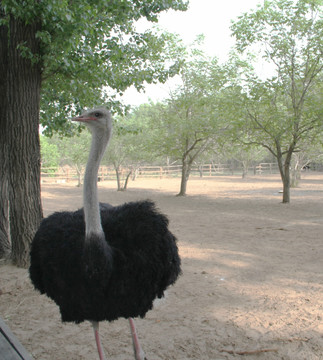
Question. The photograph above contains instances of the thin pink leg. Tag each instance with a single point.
(139, 353)
(95, 325)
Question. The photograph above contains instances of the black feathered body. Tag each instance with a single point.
(105, 279)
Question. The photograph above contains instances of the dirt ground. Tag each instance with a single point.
(252, 283)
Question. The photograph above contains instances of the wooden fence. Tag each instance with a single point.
(68, 174)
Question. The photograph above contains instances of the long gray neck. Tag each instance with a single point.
(90, 191)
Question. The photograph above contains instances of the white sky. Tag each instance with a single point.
(209, 17)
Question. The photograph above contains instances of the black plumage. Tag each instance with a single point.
(122, 279)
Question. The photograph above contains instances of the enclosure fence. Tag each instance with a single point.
(68, 174)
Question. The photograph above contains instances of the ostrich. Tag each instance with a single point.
(103, 262)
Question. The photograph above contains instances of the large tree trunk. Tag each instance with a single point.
(4, 191)
(23, 91)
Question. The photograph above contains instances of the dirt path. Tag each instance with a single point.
(252, 280)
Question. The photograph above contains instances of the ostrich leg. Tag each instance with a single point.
(139, 353)
(95, 325)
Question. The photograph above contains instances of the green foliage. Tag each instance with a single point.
(128, 146)
(49, 154)
(73, 151)
(90, 51)
(283, 111)
(285, 107)
(189, 122)
(288, 35)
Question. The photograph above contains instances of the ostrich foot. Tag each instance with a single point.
(95, 325)
(139, 353)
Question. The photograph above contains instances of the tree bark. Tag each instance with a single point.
(23, 91)
(127, 180)
(286, 187)
(118, 176)
(187, 161)
(286, 179)
(245, 167)
(79, 176)
(284, 169)
(186, 169)
(117, 170)
(5, 244)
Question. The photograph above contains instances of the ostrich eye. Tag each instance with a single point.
(97, 114)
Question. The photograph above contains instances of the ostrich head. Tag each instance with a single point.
(97, 120)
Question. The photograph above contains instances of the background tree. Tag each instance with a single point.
(187, 123)
(62, 56)
(245, 155)
(188, 132)
(282, 111)
(127, 148)
(73, 151)
(50, 157)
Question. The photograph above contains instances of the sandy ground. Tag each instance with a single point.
(252, 283)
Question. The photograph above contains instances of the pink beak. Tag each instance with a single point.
(85, 119)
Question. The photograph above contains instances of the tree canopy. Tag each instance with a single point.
(89, 51)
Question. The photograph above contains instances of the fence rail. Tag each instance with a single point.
(67, 174)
